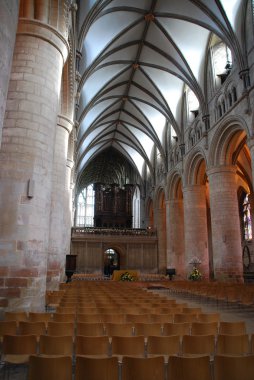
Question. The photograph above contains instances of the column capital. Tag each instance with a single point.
(45, 32)
(221, 169)
(64, 122)
(195, 187)
(69, 163)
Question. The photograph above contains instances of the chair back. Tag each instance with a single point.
(56, 345)
(96, 368)
(143, 368)
(50, 367)
(190, 368)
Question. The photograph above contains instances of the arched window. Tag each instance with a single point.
(85, 208)
(222, 61)
(234, 94)
(136, 208)
(192, 105)
(247, 219)
(230, 99)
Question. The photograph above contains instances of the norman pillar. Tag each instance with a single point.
(59, 246)
(8, 25)
(175, 236)
(26, 160)
(226, 236)
(161, 234)
(195, 228)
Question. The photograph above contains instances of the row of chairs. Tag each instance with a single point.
(229, 294)
(17, 348)
(122, 329)
(187, 368)
(111, 317)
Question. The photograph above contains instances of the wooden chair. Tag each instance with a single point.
(40, 317)
(56, 345)
(89, 318)
(92, 345)
(208, 317)
(16, 350)
(190, 368)
(183, 317)
(232, 344)
(128, 345)
(161, 318)
(87, 310)
(204, 328)
(163, 345)
(65, 310)
(119, 329)
(176, 328)
(15, 316)
(192, 310)
(61, 317)
(233, 367)
(32, 328)
(60, 328)
(90, 329)
(52, 301)
(113, 318)
(232, 328)
(135, 318)
(146, 329)
(96, 368)
(198, 344)
(143, 368)
(252, 343)
(50, 367)
(7, 328)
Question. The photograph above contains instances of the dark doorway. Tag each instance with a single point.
(111, 261)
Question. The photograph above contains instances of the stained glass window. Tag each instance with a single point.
(247, 219)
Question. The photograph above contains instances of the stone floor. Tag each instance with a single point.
(227, 312)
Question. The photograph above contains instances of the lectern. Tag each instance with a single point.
(70, 266)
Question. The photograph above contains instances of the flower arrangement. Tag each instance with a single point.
(195, 275)
(126, 277)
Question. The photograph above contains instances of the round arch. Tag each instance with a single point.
(195, 168)
(225, 141)
(111, 259)
(174, 186)
(159, 198)
(150, 213)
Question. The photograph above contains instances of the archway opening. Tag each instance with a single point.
(111, 261)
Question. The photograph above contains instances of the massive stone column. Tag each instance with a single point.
(195, 228)
(160, 215)
(59, 237)
(26, 158)
(226, 237)
(9, 10)
(175, 236)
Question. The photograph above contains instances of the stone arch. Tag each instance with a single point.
(195, 168)
(225, 141)
(149, 211)
(158, 197)
(160, 223)
(118, 249)
(175, 224)
(174, 187)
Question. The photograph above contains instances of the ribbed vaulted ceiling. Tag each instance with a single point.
(137, 57)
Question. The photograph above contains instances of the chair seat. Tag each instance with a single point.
(16, 359)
